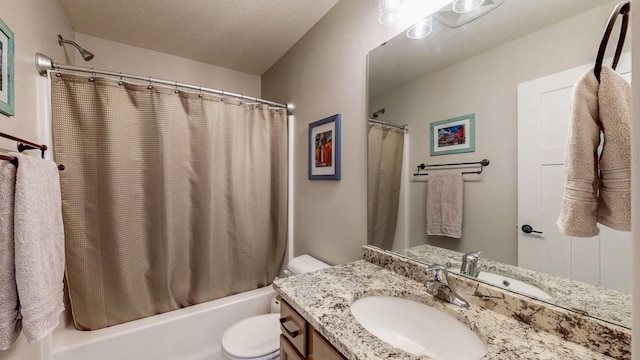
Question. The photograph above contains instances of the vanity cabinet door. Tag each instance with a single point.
(287, 352)
(321, 349)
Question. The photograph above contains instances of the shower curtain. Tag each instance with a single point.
(169, 198)
(384, 167)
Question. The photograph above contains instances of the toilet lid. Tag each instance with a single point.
(253, 337)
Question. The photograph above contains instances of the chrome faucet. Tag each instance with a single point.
(470, 264)
(439, 287)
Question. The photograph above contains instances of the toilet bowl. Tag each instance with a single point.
(254, 338)
(258, 337)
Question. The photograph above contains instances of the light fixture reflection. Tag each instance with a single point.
(388, 11)
(421, 29)
(465, 6)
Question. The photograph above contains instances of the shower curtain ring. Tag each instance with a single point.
(176, 90)
(120, 82)
(149, 86)
(92, 78)
(200, 89)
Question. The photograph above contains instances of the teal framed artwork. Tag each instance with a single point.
(6, 70)
(453, 136)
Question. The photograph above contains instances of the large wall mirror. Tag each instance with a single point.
(512, 69)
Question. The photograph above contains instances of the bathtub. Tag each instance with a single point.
(192, 333)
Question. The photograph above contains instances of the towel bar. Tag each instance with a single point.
(482, 163)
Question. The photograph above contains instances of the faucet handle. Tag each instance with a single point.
(470, 265)
(473, 254)
(436, 267)
(440, 273)
(446, 293)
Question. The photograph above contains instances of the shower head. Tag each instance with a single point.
(86, 55)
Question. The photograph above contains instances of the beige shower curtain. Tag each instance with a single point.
(169, 199)
(384, 174)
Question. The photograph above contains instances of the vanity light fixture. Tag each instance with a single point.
(389, 11)
(465, 6)
(421, 29)
(454, 19)
(407, 11)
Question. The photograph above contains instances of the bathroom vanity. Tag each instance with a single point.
(510, 325)
(299, 340)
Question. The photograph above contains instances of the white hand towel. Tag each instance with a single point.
(579, 203)
(444, 203)
(614, 198)
(39, 245)
(9, 317)
(598, 189)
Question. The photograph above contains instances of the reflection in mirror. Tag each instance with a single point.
(386, 144)
(513, 68)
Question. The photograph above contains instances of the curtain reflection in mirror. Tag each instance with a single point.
(385, 158)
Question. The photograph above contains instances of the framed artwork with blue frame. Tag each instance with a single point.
(324, 149)
(6, 70)
(453, 136)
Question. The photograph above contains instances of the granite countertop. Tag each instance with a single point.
(323, 299)
(602, 303)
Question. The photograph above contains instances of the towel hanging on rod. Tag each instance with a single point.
(482, 163)
(623, 8)
(11, 159)
(22, 146)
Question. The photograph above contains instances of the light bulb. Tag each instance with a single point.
(421, 29)
(388, 11)
(465, 6)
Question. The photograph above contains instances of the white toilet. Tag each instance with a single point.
(258, 337)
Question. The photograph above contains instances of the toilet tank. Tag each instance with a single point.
(305, 263)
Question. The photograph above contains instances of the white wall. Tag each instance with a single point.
(486, 85)
(325, 74)
(36, 25)
(118, 57)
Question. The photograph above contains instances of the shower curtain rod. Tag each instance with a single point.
(45, 63)
(403, 127)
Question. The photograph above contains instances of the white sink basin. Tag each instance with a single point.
(509, 283)
(417, 328)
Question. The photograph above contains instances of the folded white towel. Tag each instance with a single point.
(39, 245)
(9, 316)
(598, 190)
(444, 203)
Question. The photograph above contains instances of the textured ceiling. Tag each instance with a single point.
(243, 35)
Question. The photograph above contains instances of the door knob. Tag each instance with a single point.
(527, 229)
